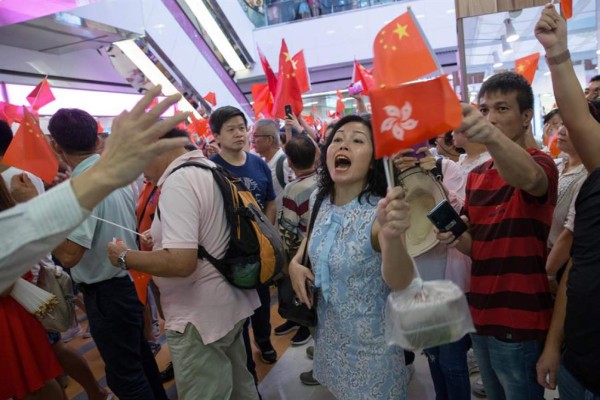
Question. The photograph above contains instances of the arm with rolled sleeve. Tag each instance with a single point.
(30, 230)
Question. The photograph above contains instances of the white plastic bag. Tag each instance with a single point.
(427, 314)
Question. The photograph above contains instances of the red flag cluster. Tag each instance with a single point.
(284, 89)
(405, 114)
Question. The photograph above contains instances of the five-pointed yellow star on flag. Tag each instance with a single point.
(521, 68)
(294, 63)
(288, 57)
(401, 30)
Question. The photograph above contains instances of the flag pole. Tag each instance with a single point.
(412, 16)
(388, 167)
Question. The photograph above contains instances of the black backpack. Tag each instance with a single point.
(255, 252)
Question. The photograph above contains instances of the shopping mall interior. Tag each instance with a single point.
(102, 55)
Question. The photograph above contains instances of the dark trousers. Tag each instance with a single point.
(261, 319)
(117, 325)
(449, 370)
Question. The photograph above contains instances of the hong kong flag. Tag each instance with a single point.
(413, 113)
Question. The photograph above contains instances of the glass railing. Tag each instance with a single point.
(272, 12)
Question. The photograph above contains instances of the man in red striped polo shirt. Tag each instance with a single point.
(509, 203)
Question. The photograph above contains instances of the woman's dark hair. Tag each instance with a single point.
(376, 183)
(550, 114)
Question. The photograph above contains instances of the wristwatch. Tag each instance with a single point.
(121, 263)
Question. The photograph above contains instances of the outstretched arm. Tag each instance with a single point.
(584, 131)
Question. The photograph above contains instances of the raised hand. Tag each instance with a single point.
(551, 31)
(134, 138)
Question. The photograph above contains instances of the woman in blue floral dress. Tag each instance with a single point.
(358, 255)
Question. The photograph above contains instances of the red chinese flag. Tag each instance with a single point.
(362, 75)
(527, 66)
(100, 127)
(288, 91)
(198, 125)
(270, 75)
(263, 100)
(302, 76)
(403, 117)
(30, 151)
(401, 53)
(211, 97)
(339, 105)
(40, 95)
(566, 6)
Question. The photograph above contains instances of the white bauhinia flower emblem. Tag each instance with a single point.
(399, 120)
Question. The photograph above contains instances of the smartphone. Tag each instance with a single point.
(446, 219)
(288, 110)
(355, 88)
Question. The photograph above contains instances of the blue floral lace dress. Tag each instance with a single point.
(351, 357)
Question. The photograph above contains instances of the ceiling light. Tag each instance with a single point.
(547, 73)
(330, 32)
(358, 27)
(154, 75)
(497, 61)
(215, 33)
(511, 33)
(597, 51)
(506, 47)
(420, 16)
(450, 11)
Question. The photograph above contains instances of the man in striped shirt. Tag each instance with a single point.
(509, 203)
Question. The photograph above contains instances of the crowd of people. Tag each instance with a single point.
(528, 261)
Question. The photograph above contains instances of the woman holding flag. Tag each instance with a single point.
(358, 256)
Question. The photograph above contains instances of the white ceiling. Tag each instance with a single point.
(483, 33)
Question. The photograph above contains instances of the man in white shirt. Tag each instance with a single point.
(266, 143)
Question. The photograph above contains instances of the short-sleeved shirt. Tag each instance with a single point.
(293, 221)
(94, 235)
(256, 175)
(288, 176)
(582, 322)
(191, 212)
(509, 296)
(568, 187)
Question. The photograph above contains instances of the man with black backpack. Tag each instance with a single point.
(204, 313)
(230, 128)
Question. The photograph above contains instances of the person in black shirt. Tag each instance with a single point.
(576, 322)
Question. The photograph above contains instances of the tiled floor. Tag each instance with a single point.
(279, 381)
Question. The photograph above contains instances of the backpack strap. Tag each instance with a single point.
(202, 253)
(279, 171)
(311, 224)
(437, 171)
